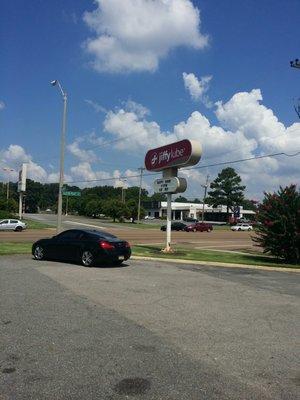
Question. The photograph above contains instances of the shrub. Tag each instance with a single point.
(278, 228)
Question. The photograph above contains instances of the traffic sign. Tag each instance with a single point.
(71, 194)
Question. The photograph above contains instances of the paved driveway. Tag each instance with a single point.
(150, 330)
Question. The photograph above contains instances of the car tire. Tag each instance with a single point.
(39, 253)
(18, 229)
(239, 229)
(195, 230)
(249, 229)
(87, 258)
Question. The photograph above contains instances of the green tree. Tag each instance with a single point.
(278, 228)
(114, 209)
(158, 197)
(249, 204)
(132, 210)
(9, 205)
(226, 190)
(181, 199)
(93, 208)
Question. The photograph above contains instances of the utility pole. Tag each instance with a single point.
(141, 169)
(8, 170)
(205, 191)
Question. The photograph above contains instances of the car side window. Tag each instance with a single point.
(5, 221)
(68, 235)
(13, 221)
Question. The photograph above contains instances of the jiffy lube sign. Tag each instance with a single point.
(179, 154)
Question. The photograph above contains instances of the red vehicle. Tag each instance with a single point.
(199, 226)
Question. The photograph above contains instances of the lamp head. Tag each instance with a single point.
(53, 83)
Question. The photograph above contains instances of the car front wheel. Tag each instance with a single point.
(38, 253)
(18, 229)
(87, 258)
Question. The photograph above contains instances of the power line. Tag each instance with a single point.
(192, 168)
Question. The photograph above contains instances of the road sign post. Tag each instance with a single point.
(169, 159)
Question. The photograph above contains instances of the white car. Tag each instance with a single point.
(12, 225)
(242, 227)
(149, 217)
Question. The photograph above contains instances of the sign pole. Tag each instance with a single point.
(169, 218)
(67, 203)
(20, 204)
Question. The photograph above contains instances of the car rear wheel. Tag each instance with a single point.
(239, 229)
(87, 258)
(38, 253)
(18, 229)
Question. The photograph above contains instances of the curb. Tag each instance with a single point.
(217, 264)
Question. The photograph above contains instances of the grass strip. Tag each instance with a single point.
(32, 224)
(209, 255)
(7, 248)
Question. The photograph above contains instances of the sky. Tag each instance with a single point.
(143, 73)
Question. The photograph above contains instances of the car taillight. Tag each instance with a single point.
(106, 245)
(127, 245)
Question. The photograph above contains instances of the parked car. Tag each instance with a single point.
(175, 226)
(89, 247)
(149, 217)
(241, 227)
(190, 219)
(200, 227)
(12, 225)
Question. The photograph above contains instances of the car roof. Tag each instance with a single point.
(93, 232)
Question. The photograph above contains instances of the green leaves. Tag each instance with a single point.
(227, 189)
(278, 231)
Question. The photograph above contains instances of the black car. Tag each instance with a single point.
(175, 226)
(89, 247)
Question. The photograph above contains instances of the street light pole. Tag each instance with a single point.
(140, 192)
(296, 64)
(205, 190)
(62, 155)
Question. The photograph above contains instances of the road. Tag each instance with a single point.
(147, 330)
(218, 239)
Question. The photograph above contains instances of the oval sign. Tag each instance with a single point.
(179, 154)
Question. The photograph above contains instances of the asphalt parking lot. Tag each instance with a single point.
(147, 330)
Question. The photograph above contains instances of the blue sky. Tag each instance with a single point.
(134, 81)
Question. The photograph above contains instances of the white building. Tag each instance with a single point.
(180, 211)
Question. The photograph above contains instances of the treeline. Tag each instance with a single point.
(92, 201)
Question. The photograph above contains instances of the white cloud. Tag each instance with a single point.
(140, 110)
(2, 105)
(134, 35)
(136, 133)
(97, 107)
(81, 154)
(198, 87)
(248, 128)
